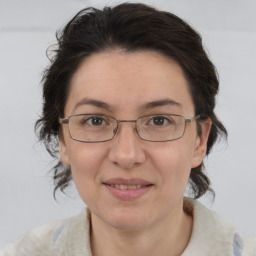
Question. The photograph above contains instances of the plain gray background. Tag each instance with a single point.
(28, 27)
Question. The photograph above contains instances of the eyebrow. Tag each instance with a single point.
(93, 102)
(146, 106)
(160, 103)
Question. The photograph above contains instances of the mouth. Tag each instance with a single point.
(127, 189)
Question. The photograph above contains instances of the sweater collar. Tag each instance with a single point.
(210, 235)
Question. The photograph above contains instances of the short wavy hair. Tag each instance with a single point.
(130, 27)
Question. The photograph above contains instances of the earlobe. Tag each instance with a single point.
(63, 152)
(201, 143)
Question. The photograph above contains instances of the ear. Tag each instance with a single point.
(201, 143)
(63, 152)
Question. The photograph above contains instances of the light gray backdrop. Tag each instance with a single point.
(27, 28)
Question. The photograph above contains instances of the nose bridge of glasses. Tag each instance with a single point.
(124, 121)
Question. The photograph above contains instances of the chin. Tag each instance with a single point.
(128, 225)
(127, 219)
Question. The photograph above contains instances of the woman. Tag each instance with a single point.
(129, 102)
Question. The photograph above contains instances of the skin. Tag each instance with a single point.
(154, 223)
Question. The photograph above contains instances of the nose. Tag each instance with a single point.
(127, 150)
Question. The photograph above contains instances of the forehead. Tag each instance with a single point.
(124, 79)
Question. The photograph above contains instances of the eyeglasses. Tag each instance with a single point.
(93, 128)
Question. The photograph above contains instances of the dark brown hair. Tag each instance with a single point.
(130, 27)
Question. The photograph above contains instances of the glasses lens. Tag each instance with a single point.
(161, 127)
(91, 128)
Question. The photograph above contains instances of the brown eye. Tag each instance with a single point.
(96, 121)
(160, 120)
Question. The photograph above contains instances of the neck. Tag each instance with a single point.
(169, 236)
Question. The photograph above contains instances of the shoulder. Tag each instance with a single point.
(212, 235)
(49, 239)
(249, 245)
(36, 240)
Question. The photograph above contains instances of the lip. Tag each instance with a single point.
(127, 194)
(128, 182)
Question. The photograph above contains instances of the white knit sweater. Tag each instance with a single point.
(211, 236)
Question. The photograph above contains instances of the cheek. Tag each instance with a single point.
(173, 163)
(85, 161)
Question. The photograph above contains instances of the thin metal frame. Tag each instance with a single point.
(66, 121)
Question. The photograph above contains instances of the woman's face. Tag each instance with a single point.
(127, 86)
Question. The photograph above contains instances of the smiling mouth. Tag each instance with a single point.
(127, 187)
